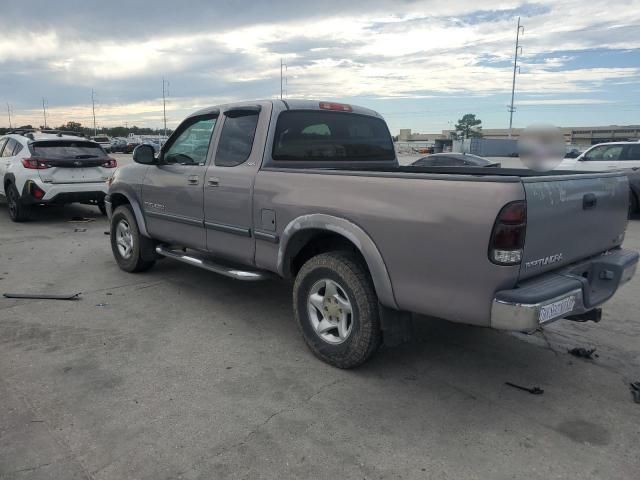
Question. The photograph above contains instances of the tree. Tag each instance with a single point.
(468, 127)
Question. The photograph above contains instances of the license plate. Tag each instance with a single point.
(557, 309)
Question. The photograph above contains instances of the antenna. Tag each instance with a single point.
(511, 108)
(9, 113)
(44, 112)
(93, 108)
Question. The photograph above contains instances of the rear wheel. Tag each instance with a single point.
(18, 212)
(337, 309)
(633, 203)
(133, 252)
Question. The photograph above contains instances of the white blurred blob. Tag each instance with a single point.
(541, 147)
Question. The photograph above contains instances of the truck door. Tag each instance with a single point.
(228, 183)
(172, 192)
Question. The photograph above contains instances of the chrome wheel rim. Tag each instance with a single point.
(330, 311)
(124, 239)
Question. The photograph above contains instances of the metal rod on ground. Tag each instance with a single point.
(515, 67)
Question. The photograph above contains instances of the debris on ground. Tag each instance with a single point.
(107, 233)
(44, 296)
(582, 352)
(80, 220)
(635, 391)
(79, 230)
(532, 390)
(102, 304)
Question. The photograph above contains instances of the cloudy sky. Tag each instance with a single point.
(422, 64)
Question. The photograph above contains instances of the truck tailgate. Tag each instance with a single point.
(571, 217)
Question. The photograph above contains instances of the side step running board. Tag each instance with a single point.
(232, 272)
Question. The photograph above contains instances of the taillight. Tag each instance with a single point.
(339, 107)
(507, 237)
(36, 191)
(110, 163)
(34, 163)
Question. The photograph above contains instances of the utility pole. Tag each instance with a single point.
(283, 79)
(515, 67)
(164, 107)
(44, 112)
(93, 108)
(9, 113)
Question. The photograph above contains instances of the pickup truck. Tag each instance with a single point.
(313, 191)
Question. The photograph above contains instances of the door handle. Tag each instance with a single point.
(213, 182)
(192, 180)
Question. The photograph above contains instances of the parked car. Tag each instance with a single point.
(610, 156)
(118, 144)
(130, 146)
(606, 156)
(313, 191)
(104, 142)
(42, 168)
(454, 160)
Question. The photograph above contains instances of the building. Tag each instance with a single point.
(582, 137)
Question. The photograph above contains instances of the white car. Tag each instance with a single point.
(104, 142)
(606, 156)
(39, 168)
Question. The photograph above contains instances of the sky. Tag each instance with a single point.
(421, 64)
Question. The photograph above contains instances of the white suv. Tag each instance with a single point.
(51, 168)
(105, 142)
(606, 156)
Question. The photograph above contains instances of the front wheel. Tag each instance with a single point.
(131, 250)
(337, 309)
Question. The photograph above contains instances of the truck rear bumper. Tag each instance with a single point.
(569, 291)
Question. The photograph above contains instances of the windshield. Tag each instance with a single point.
(67, 149)
(311, 135)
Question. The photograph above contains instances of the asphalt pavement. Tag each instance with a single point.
(178, 373)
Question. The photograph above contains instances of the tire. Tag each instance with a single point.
(360, 335)
(102, 208)
(18, 212)
(633, 203)
(125, 233)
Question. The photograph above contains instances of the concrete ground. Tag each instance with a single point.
(181, 374)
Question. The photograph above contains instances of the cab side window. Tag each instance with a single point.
(192, 145)
(236, 140)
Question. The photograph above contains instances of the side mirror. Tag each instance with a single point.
(144, 154)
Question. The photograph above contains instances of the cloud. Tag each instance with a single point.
(380, 49)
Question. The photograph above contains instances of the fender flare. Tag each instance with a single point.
(135, 206)
(8, 178)
(353, 233)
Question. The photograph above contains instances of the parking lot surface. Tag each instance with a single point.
(177, 373)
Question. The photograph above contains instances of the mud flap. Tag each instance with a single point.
(397, 326)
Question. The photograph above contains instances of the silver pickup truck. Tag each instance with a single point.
(313, 191)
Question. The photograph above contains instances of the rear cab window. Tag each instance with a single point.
(325, 136)
(61, 149)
